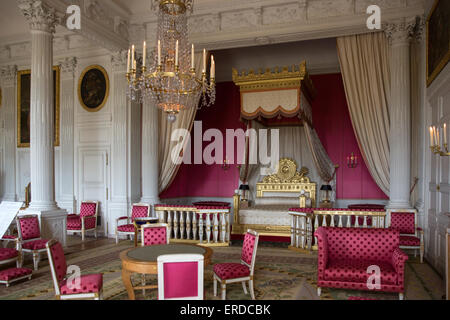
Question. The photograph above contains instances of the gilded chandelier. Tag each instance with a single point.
(170, 80)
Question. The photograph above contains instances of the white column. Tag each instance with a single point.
(150, 136)
(399, 34)
(42, 20)
(8, 138)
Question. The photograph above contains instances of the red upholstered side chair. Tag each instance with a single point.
(411, 237)
(139, 211)
(85, 221)
(89, 287)
(239, 272)
(9, 255)
(30, 240)
(152, 234)
(180, 277)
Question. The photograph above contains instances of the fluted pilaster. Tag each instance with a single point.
(8, 81)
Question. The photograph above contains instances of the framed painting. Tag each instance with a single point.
(24, 105)
(93, 88)
(438, 39)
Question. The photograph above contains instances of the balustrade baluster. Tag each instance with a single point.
(200, 227)
(182, 225)
(208, 227)
(216, 227)
(365, 222)
(340, 221)
(195, 225)
(188, 225)
(169, 223)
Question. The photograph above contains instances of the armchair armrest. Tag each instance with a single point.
(72, 215)
(122, 218)
(398, 262)
(322, 255)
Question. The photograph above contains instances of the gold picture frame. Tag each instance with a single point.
(24, 106)
(438, 39)
(93, 88)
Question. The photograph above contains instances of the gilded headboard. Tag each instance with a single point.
(288, 179)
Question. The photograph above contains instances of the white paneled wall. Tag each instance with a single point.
(438, 174)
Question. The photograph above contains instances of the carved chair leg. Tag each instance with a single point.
(224, 291)
(244, 287)
(421, 253)
(36, 259)
(215, 286)
(82, 235)
(401, 296)
(252, 291)
(117, 238)
(319, 291)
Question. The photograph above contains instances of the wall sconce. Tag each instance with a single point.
(226, 164)
(352, 161)
(435, 141)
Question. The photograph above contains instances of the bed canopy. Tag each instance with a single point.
(282, 98)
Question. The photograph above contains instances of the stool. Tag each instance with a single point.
(11, 275)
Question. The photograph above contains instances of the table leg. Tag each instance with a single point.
(126, 278)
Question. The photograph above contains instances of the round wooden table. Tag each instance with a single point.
(143, 260)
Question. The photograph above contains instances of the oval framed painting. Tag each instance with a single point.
(93, 88)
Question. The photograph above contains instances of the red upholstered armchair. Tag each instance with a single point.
(30, 240)
(345, 255)
(89, 286)
(411, 237)
(239, 272)
(85, 221)
(139, 211)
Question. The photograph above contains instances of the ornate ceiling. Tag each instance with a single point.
(215, 24)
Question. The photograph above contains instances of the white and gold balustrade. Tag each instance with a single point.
(304, 221)
(205, 225)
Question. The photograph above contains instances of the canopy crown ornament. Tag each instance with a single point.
(171, 79)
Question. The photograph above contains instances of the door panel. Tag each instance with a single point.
(93, 180)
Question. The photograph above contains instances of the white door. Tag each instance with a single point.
(94, 181)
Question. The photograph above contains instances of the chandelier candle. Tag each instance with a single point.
(170, 79)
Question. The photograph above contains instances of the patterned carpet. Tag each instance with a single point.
(280, 274)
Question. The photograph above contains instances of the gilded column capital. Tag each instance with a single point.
(400, 32)
(40, 16)
(8, 75)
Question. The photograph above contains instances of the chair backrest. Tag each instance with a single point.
(180, 277)
(28, 227)
(248, 255)
(154, 233)
(360, 243)
(404, 222)
(140, 210)
(57, 261)
(88, 208)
